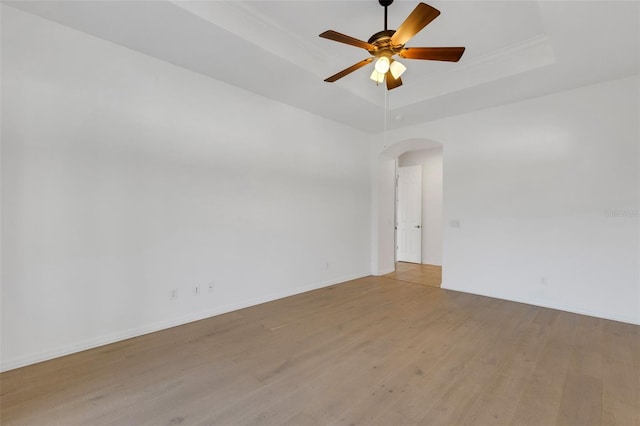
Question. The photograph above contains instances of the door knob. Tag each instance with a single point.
(418, 226)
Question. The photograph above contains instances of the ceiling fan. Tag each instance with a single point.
(385, 44)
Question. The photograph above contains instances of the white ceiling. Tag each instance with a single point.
(515, 49)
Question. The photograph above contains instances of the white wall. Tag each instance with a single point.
(124, 177)
(384, 205)
(431, 162)
(547, 192)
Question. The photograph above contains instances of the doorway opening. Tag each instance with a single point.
(418, 217)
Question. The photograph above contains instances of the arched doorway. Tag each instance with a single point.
(384, 232)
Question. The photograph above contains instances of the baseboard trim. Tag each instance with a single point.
(92, 343)
(545, 304)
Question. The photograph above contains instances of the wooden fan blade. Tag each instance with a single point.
(451, 54)
(336, 36)
(349, 70)
(421, 16)
(392, 83)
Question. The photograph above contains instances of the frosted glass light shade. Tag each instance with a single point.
(382, 65)
(377, 77)
(397, 69)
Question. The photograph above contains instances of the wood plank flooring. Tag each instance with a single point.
(373, 351)
(417, 273)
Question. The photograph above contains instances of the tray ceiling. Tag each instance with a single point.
(515, 49)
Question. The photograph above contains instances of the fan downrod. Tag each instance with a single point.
(385, 4)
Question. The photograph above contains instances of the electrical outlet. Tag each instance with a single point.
(196, 290)
(211, 287)
(173, 294)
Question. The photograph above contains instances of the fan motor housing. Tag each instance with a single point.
(382, 41)
(381, 37)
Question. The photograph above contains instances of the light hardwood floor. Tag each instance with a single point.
(417, 273)
(374, 351)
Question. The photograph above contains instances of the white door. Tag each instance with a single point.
(409, 214)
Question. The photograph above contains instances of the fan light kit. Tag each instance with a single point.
(382, 65)
(383, 45)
